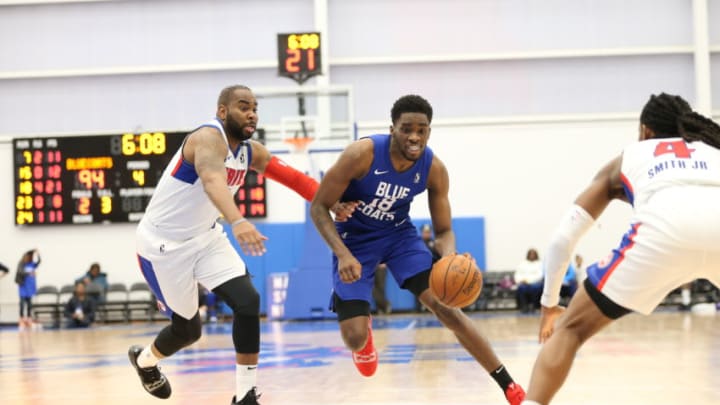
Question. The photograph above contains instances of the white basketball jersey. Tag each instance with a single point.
(656, 164)
(179, 208)
(675, 190)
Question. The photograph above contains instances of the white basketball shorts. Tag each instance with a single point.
(173, 268)
(674, 240)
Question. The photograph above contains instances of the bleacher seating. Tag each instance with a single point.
(46, 308)
(66, 292)
(701, 291)
(120, 304)
(115, 305)
(138, 303)
(141, 300)
(95, 291)
(496, 296)
(496, 293)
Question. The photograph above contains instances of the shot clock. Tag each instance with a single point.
(299, 55)
(101, 178)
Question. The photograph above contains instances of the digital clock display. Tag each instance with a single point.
(101, 178)
(299, 55)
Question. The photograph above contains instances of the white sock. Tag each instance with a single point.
(685, 296)
(147, 358)
(526, 402)
(245, 379)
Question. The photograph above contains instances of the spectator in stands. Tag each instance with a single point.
(80, 308)
(579, 269)
(569, 284)
(96, 284)
(378, 292)
(26, 279)
(529, 280)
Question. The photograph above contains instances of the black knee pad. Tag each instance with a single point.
(346, 309)
(246, 334)
(240, 295)
(418, 283)
(180, 333)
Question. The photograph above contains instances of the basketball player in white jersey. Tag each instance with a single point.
(180, 244)
(672, 179)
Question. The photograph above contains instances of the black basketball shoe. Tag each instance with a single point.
(151, 378)
(249, 399)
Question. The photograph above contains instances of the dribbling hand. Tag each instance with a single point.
(344, 210)
(349, 269)
(469, 256)
(251, 241)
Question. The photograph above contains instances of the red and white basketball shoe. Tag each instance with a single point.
(366, 360)
(515, 394)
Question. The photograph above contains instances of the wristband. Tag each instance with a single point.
(237, 222)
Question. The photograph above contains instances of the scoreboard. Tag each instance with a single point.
(102, 178)
(299, 55)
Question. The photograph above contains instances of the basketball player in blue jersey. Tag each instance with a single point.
(672, 179)
(384, 173)
(180, 244)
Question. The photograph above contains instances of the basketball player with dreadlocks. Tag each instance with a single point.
(672, 179)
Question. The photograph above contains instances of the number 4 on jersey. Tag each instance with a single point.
(679, 148)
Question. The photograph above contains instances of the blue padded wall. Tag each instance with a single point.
(297, 249)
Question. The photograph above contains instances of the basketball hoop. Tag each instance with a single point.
(299, 144)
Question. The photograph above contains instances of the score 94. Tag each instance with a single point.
(91, 178)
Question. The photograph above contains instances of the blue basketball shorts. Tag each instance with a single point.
(402, 250)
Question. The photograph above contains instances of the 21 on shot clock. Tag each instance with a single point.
(299, 55)
(100, 178)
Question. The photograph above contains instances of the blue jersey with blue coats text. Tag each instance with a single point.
(384, 193)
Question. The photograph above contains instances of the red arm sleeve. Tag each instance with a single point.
(291, 178)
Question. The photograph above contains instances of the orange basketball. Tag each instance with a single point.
(456, 281)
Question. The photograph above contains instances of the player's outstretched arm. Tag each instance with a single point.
(438, 186)
(206, 150)
(588, 206)
(278, 170)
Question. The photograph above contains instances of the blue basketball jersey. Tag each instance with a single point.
(380, 230)
(384, 193)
